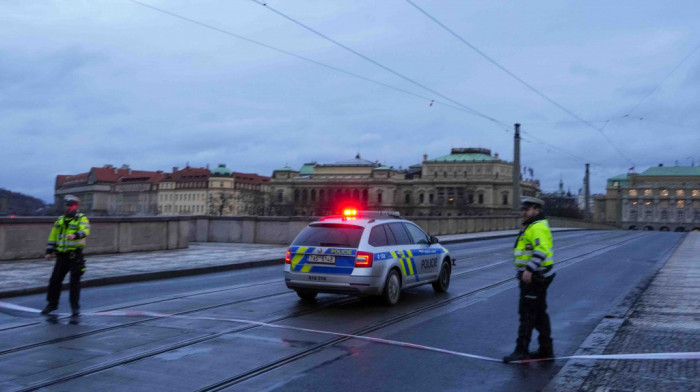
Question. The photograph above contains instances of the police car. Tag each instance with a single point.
(365, 253)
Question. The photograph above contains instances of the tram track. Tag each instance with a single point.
(320, 346)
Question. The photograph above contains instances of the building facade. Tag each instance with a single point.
(660, 198)
(468, 181)
(190, 191)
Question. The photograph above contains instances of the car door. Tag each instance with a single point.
(426, 259)
(402, 253)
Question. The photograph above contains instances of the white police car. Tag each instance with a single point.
(365, 253)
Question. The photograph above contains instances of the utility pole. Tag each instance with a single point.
(516, 168)
(587, 212)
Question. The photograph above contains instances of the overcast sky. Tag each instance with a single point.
(94, 82)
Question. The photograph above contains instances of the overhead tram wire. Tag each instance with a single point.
(514, 76)
(504, 126)
(662, 80)
(252, 41)
(384, 67)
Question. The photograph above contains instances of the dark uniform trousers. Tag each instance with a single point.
(533, 311)
(66, 261)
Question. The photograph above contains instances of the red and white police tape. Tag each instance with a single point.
(18, 310)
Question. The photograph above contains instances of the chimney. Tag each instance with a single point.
(495, 156)
(174, 169)
(661, 164)
(425, 157)
(125, 167)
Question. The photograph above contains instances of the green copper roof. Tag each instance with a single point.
(307, 169)
(221, 171)
(286, 168)
(466, 155)
(671, 171)
(622, 179)
(382, 168)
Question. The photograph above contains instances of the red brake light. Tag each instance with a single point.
(363, 260)
(288, 257)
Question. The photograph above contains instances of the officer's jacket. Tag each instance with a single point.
(64, 226)
(533, 249)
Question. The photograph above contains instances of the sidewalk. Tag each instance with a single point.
(665, 317)
(24, 277)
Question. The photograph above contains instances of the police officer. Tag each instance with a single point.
(533, 259)
(67, 240)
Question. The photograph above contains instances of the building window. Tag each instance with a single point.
(680, 204)
(664, 192)
(505, 199)
(430, 198)
(633, 192)
(481, 198)
(679, 192)
(407, 198)
(696, 192)
(647, 214)
(296, 195)
(313, 195)
(421, 198)
(364, 195)
(664, 215)
(681, 216)
(280, 195)
(647, 192)
(470, 198)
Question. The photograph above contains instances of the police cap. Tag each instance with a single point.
(528, 201)
(70, 200)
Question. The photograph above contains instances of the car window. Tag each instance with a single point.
(400, 233)
(338, 235)
(377, 237)
(391, 240)
(419, 237)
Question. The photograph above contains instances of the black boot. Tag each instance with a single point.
(48, 309)
(518, 354)
(75, 310)
(545, 351)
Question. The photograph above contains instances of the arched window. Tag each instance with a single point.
(356, 195)
(364, 195)
(313, 195)
(304, 195)
(379, 197)
(321, 195)
(280, 196)
(296, 195)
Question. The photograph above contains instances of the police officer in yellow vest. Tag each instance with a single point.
(533, 259)
(67, 240)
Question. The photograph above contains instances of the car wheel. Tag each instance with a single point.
(392, 289)
(306, 295)
(443, 281)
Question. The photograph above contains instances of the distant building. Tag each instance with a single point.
(190, 191)
(660, 198)
(561, 203)
(468, 181)
(110, 191)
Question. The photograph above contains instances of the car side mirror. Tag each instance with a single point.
(434, 240)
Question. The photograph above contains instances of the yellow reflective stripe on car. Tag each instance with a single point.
(403, 267)
(306, 268)
(410, 267)
(300, 255)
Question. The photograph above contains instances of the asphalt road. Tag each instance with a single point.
(478, 315)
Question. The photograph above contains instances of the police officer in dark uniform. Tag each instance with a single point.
(533, 256)
(67, 240)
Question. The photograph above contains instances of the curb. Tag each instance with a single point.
(146, 276)
(574, 373)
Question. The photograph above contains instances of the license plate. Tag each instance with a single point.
(322, 259)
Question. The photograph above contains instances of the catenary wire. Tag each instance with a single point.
(689, 55)
(378, 64)
(526, 84)
(349, 73)
(307, 59)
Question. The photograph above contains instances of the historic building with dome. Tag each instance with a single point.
(467, 181)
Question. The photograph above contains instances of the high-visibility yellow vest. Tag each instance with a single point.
(63, 227)
(533, 250)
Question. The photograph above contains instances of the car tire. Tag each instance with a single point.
(306, 295)
(392, 289)
(443, 280)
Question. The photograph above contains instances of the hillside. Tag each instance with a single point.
(13, 203)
